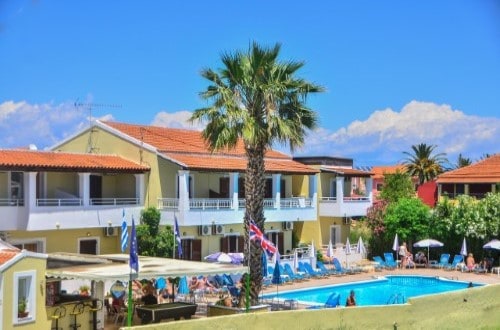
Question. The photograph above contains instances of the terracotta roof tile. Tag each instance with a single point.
(379, 171)
(484, 171)
(6, 255)
(189, 148)
(47, 160)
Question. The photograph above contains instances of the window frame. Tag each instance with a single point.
(30, 276)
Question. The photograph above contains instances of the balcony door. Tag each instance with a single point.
(191, 249)
(335, 235)
(95, 187)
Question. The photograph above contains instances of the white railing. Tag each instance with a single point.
(212, 203)
(11, 202)
(209, 203)
(346, 199)
(114, 201)
(269, 203)
(59, 202)
(168, 203)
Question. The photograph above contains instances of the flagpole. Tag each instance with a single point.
(175, 239)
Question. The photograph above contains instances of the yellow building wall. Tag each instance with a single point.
(66, 182)
(4, 185)
(66, 240)
(106, 143)
(25, 264)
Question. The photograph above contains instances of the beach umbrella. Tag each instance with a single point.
(347, 251)
(295, 260)
(463, 250)
(360, 248)
(329, 250)
(395, 245)
(312, 255)
(277, 274)
(428, 243)
(493, 245)
(226, 258)
(183, 286)
(264, 264)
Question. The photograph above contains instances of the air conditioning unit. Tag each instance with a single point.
(204, 230)
(347, 220)
(287, 225)
(110, 231)
(219, 230)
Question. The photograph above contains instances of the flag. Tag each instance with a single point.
(256, 234)
(177, 237)
(124, 232)
(134, 257)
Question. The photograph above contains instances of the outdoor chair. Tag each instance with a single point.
(389, 260)
(443, 261)
(457, 259)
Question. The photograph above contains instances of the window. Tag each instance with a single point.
(24, 297)
(33, 245)
(380, 186)
(16, 187)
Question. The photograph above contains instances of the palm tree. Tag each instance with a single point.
(462, 161)
(257, 99)
(422, 163)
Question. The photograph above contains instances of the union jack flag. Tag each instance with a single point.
(256, 234)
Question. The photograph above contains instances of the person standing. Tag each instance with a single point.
(402, 254)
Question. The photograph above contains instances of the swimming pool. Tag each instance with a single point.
(392, 289)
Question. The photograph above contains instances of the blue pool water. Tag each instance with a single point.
(385, 290)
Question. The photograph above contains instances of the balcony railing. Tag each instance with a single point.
(11, 202)
(114, 201)
(215, 204)
(59, 202)
(346, 199)
(93, 201)
(209, 203)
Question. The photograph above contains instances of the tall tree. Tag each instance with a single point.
(258, 99)
(462, 161)
(396, 186)
(422, 163)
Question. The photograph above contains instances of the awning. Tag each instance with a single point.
(149, 267)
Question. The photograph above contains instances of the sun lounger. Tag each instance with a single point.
(389, 261)
(454, 264)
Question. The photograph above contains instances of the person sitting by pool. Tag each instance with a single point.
(167, 293)
(149, 297)
(470, 263)
(409, 260)
(420, 258)
(351, 300)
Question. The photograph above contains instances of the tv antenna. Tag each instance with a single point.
(89, 106)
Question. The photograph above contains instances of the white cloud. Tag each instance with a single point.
(380, 139)
(384, 136)
(43, 125)
(179, 119)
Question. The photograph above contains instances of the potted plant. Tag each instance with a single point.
(84, 290)
(21, 308)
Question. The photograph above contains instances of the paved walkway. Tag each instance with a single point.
(453, 275)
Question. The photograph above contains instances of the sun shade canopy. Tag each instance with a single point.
(149, 267)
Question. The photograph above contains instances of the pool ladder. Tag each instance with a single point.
(396, 298)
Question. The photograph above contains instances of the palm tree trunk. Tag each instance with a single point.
(254, 198)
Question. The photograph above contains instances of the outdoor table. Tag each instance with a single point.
(158, 312)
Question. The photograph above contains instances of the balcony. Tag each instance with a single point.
(227, 211)
(347, 206)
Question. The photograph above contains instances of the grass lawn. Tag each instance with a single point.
(475, 308)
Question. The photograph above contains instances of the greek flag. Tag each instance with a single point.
(124, 233)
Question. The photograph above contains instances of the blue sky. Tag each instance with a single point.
(397, 73)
